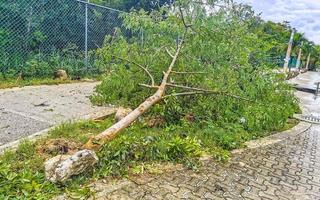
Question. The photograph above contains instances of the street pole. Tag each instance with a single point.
(308, 61)
(86, 36)
(287, 59)
(299, 57)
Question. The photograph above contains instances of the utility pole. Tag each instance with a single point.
(299, 57)
(308, 61)
(287, 59)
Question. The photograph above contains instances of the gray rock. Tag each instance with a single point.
(61, 74)
(62, 167)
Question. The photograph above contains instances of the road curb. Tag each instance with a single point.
(301, 127)
(43, 133)
(13, 145)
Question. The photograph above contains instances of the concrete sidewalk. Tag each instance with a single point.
(306, 81)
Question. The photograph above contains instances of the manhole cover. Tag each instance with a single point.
(308, 118)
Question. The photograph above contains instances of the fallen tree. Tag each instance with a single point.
(187, 51)
(112, 132)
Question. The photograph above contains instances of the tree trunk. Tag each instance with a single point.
(287, 59)
(308, 61)
(299, 59)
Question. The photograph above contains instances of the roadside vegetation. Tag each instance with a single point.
(235, 97)
(140, 149)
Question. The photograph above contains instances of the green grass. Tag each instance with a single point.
(22, 172)
(134, 151)
(10, 83)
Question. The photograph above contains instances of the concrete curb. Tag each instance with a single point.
(41, 134)
(13, 145)
(275, 138)
(306, 118)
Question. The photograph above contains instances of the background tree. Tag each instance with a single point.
(127, 5)
(36, 34)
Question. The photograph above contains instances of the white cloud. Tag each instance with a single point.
(304, 15)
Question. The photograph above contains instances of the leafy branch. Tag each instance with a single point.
(139, 65)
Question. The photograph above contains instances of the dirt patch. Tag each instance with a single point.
(58, 146)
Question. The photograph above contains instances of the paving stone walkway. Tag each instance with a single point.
(286, 169)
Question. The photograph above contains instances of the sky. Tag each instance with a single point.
(304, 15)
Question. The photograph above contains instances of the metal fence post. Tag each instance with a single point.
(86, 37)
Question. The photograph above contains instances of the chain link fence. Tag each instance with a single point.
(38, 37)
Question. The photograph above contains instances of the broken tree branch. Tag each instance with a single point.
(139, 65)
(149, 86)
(168, 52)
(197, 91)
(206, 91)
(183, 19)
(157, 51)
(203, 93)
(175, 72)
(185, 94)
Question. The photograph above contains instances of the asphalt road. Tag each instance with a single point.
(28, 110)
